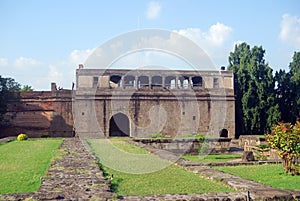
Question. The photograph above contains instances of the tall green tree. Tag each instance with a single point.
(256, 110)
(295, 79)
(288, 90)
(285, 95)
(7, 88)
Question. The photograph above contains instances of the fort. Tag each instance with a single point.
(134, 103)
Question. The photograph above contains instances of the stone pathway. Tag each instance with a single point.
(76, 176)
(7, 139)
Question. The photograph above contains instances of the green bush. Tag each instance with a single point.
(285, 138)
(260, 151)
(198, 136)
(22, 137)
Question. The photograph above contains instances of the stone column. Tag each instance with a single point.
(190, 82)
(150, 82)
(122, 84)
(176, 82)
(163, 81)
(136, 84)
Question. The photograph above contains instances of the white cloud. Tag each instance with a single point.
(25, 63)
(290, 30)
(3, 62)
(79, 56)
(55, 75)
(219, 33)
(216, 42)
(216, 36)
(153, 10)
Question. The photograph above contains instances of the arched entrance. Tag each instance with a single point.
(224, 133)
(119, 125)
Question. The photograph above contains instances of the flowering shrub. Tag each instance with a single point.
(285, 138)
(22, 137)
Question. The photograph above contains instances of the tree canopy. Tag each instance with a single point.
(288, 90)
(7, 88)
(256, 109)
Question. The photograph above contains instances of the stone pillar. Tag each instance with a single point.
(150, 82)
(163, 81)
(122, 84)
(190, 82)
(136, 84)
(53, 86)
(176, 82)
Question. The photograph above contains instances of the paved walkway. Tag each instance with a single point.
(76, 176)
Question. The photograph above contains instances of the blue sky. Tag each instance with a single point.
(44, 41)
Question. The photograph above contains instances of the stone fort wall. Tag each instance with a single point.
(40, 113)
(131, 103)
(165, 102)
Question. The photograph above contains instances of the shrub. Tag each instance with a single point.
(285, 138)
(198, 136)
(204, 149)
(22, 137)
(260, 151)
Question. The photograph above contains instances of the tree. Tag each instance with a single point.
(295, 80)
(285, 95)
(26, 88)
(288, 90)
(256, 110)
(7, 88)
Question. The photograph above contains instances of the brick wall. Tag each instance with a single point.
(38, 113)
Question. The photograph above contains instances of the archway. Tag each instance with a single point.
(119, 125)
(224, 133)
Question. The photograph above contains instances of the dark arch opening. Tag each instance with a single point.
(114, 81)
(143, 81)
(157, 81)
(224, 133)
(119, 125)
(197, 81)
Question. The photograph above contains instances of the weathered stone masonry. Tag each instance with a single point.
(137, 103)
(133, 103)
(39, 113)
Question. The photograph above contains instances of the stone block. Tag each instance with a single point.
(248, 156)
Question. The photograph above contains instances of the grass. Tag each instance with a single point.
(156, 176)
(269, 174)
(23, 164)
(125, 146)
(212, 158)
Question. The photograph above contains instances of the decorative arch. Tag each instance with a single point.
(119, 125)
(224, 133)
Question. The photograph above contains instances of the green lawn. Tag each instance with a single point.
(212, 158)
(24, 163)
(159, 176)
(269, 174)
